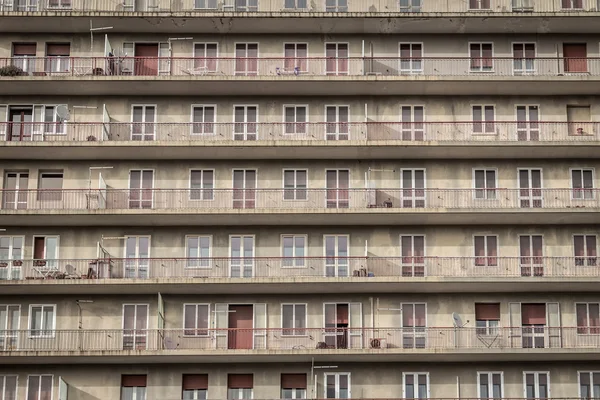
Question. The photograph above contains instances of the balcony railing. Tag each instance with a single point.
(472, 67)
(224, 200)
(409, 340)
(384, 6)
(303, 267)
(454, 132)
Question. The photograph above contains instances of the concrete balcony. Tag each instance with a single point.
(268, 140)
(432, 344)
(288, 16)
(306, 76)
(181, 207)
(276, 275)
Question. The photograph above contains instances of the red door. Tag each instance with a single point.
(146, 59)
(240, 327)
(575, 55)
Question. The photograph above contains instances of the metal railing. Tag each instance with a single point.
(213, 68)
(464, 132)
(224, 200)
(302, 6)
(303, 267)
(410, 340)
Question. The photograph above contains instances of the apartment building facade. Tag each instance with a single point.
(299, 200)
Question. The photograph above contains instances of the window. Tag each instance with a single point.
(201, 184)
(487, 318)
(39, 387)
(50, 186)
(528, 125)
(198, 251)
(336, 5)
(336, 55)
(336, 255)
(413, 255)
(135, 326)
(584, 247)
(588, 318)
(337, 122)
(240, 386)
(411, 61)
(415, 385)
(294, 184)
(537, 385)
(11, 249)
(205, 54)
(241, 251)
(295, 119)
(58, 57)
(412, 182)
(337, 184)
(203, 119)
(295, 4)
(245, 118)
(412, 122)
(337, 386)
(572, 4)
(143, 123)
(42, 320)
(9, 326)
(479, 4)
(296, 55)
(293, 320)
(293, 386)
(137, 254)
(531, 251)
(533, 321)
(486, 250)
(246, 58)
(244, 185)
(293, 250)
(45, 251)
(8, 387)
(195, 319)
(413, 325)
(485, 184)
(490, 385)
(530, 188)
(582, 181)
(133, 387)
(483, 119)
(52, 123)
(523, 58)
(24, 56)
(481, 57)
(411, 5)
(589, 385)
(194, 386)
(141, 188)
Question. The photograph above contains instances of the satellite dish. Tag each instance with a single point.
(63, 112)
(457, 320)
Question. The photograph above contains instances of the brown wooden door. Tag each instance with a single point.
(575, 55)
(240, 327)
(146, 59)
(20, 125)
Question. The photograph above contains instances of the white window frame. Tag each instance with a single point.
(593, 189)
(204, 123)
(415, 378)
(337, 122)
(295, 44)
(302, 259)
(572, 7)
(294, 394)
(413, 264)
(588, 327)
(137, 329)
(413, 197)
(295, 190)
(411, 70)
(205, 44)
(6, 333)
(483, 120)
(481, 70)
(530, 197)
(337, 58)
(242, 263)
(240, 393)
(203, 190)
(207, 329)
(528, 122)
(245, 132)
(411, 130)
(246, 71)
(137, 264)
(485, 189)
(295, 123)
(56, 121)
(536, 380)
(40, 386)
(3, 395)
(144, 107)
(336, 265)
(29, 322)
(525, 70)
(294, 305)
(485, 249)
(585, 257)
(490, 375)
(592, 395)
(187, 251)
(337, 384)
(480, 8)
(11, 268)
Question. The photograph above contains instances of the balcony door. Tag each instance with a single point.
(240, 326)
(528, 123)
(11, 257)
(338, 184)
(143, 123)
(414, 322)
(337, 386)
(135, 326)
(531, 249)
(413, 252)
(141, 185)
(245, 118)
(241, 251)
(137, 254)
(20, 124)
(530, 188)
(336, 255)
(536, 385)
(15, 192)
(535, 325)
(9, 326)
(413, 188)
(413, 128)
(45, 252)
(337, 123)
(246, 57)
(336, 55)
(343, 325)
(244, 188)
(575, 57)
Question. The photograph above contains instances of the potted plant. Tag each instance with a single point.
(11, 70)
(17, 263)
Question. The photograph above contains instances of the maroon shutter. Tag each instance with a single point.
(293, 381)
(133, 380)
(38, 248)
(487, 311)
(195, 382)
(58, 49)
(533, 314)
(24, 49)
(240, 381)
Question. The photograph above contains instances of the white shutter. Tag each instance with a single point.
(38, 126)
(221, 325)
(553, 323)
(260, 326)
(515, 333)
(105, 124)
(355, 325)
(164, 61)
(3, 121)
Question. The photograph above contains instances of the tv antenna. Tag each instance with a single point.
(62, 112)
(457, 321)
